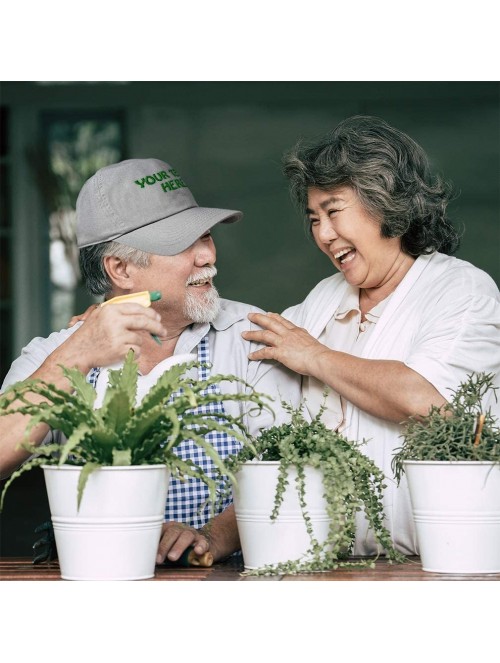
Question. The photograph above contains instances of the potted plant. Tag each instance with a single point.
(296, 496)
(107, 483)
(451, 460)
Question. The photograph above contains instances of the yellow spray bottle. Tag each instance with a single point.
(143, 298)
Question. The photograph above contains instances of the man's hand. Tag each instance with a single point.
(105, 338)
(219, 537)
(176, 538)
(108, 334)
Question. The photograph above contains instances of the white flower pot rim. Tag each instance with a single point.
(451, 462)
(111, 468)
(269, 462)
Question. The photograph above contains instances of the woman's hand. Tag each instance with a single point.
(82, 316)
(384, 388)
(292, 346)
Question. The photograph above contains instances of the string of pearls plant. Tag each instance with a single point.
(351, 481)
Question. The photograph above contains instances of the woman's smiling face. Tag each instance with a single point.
(350, 236)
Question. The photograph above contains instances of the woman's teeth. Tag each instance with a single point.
(349, 253)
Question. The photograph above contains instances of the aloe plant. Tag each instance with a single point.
(119, 433)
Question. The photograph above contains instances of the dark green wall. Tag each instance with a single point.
(227, 139)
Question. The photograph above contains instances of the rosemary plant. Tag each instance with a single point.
(119, 433)
(459, 430)
(351, 482)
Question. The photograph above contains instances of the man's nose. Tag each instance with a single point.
(205, 252)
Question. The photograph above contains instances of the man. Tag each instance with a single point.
(139, 228)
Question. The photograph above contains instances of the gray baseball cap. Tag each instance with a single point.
(145, 204)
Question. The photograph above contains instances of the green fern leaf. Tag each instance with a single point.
(58, 417)
(166, 385)
(122, 457)
(116, 410)
(209, 424)
(83, 389)
(74, 439)
(101, 443)
(28, 465)
(123, 379)
(211, 453)
(145, 423)
(87, 470)
(128, 382)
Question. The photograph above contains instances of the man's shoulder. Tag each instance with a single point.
(34, 354)
(51, 342)
(232, 312)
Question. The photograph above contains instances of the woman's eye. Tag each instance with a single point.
(313, 222)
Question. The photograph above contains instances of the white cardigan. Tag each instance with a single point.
(442, 321)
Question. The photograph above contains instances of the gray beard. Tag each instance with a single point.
(204, 307)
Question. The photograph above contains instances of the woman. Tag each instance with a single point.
(403, 323)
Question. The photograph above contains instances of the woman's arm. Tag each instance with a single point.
(384, 388)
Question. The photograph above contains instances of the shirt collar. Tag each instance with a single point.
(193, 334)
(374, 314)
(227, 318)
(350, 302)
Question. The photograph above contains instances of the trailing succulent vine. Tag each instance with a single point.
(121, 433)
(459, 430)
(351, 481)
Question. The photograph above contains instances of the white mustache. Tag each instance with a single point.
(204, 273)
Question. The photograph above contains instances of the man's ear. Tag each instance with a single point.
(119, 272)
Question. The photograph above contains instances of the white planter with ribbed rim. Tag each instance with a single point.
(265, 541)
(456, 509)
(115, 533)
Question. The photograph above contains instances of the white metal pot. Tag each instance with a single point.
(265, 541)
(115, 533)
(456, 509)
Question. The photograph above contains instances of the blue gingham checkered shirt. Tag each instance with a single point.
(185, 498)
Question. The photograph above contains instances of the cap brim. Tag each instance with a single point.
(176, 233)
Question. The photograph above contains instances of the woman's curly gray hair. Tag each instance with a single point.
(390, 173)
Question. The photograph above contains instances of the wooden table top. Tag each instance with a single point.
(21, 568)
